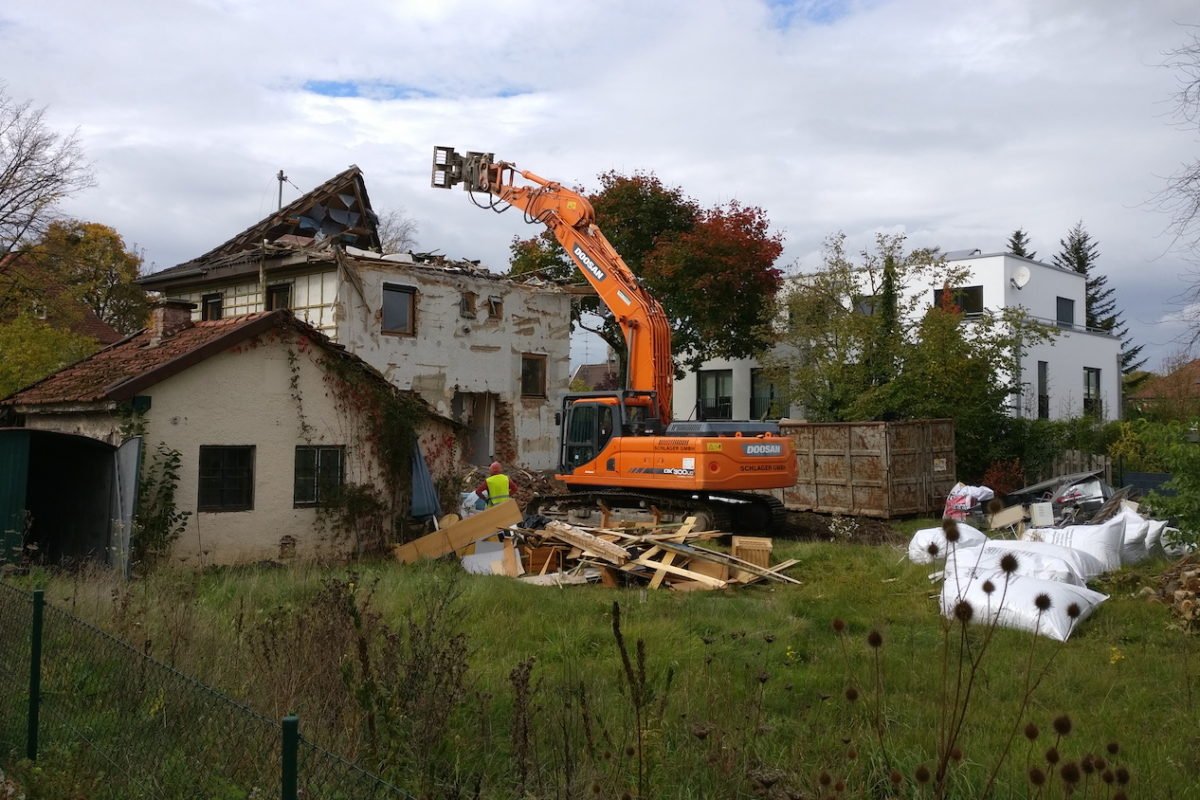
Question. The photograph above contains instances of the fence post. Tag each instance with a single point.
(35, 675)
(291, 743)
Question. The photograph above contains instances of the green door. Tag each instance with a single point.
(14, 475)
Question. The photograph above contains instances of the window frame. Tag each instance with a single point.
(1058, 312)
(320, 451)
(205, 504)
(207, 302)
(1043, 390)
(272, 290)
(541, 360)
(960, 295)
(1092, 401)
(398, 289)
(704, 376)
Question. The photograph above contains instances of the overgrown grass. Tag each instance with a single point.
(757, 705)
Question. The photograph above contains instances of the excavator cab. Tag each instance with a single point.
(591, 419)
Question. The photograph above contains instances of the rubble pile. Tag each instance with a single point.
(497, 541)
(671, 556)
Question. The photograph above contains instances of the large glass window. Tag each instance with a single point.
(766, 400)
(715, 393)
(399, 309)
(1091, 391)
(969, 299)
(1066, 312)
(319, 472)
(226, 478)
(533, 375)
(1043, 390)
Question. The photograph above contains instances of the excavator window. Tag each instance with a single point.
(588, 429)
(579, 441)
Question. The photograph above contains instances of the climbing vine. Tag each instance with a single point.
(386, 420)
(158, 522)
(306, 430)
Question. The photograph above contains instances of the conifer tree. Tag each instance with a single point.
(1080, 253)
(1018, 244)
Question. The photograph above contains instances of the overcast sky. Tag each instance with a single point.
(954, 122)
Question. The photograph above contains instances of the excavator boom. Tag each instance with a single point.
(619, 448)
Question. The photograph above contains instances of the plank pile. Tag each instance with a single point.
(652, 556)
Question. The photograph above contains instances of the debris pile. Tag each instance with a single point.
(525, 484)
(654, 556)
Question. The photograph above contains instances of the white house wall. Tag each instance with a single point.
(246, 398)
(451, 353)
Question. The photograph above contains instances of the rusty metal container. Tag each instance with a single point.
(871, 469)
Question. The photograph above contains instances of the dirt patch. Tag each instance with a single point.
(812, 526)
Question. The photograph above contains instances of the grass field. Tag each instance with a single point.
(450, 683)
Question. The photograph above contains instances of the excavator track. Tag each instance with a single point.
(741, 512)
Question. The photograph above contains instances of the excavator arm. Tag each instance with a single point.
(572, 220)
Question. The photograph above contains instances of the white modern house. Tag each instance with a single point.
(1077, 372)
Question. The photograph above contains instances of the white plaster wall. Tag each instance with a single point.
(243, 397)
(105, 427)
(1066, 357)
(451, 353)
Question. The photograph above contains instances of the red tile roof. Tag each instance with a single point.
(121, 370)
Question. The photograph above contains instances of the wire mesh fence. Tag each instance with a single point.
(148, 730)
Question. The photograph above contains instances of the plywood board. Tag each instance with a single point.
(457, 536)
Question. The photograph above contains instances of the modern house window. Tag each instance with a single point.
(715, 393)
(865, 305)
(1091, 391)
(226, 478)
(210, 306)
(1043, 390)
(967, 298)
(1066, 312)
(399, 309)
(279, 295)
(533, 375)
(319, 471)
(766, 401)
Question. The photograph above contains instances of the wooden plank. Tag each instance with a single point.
(608, 577)
(674, 570)
(588, 542)
(460, 534)
(657, 580)
(689, 586)
(749, 579)
(733, 561)
(512, 567)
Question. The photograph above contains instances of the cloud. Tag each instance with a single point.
(955, 122)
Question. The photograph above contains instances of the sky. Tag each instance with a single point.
(953, 122)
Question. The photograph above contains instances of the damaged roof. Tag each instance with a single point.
(338, 211)
(132, 365)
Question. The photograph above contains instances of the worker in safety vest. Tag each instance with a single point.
(496, 487)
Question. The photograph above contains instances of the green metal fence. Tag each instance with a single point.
(146, 729)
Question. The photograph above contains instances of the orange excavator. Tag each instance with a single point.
(620, 454)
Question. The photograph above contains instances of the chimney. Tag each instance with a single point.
(167, 318)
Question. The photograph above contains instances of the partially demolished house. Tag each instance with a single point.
(484, 350)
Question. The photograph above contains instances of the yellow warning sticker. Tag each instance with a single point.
(714, 447)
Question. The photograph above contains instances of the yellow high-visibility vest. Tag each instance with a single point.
(497, 488)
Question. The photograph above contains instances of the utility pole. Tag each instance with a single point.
(281, 178)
